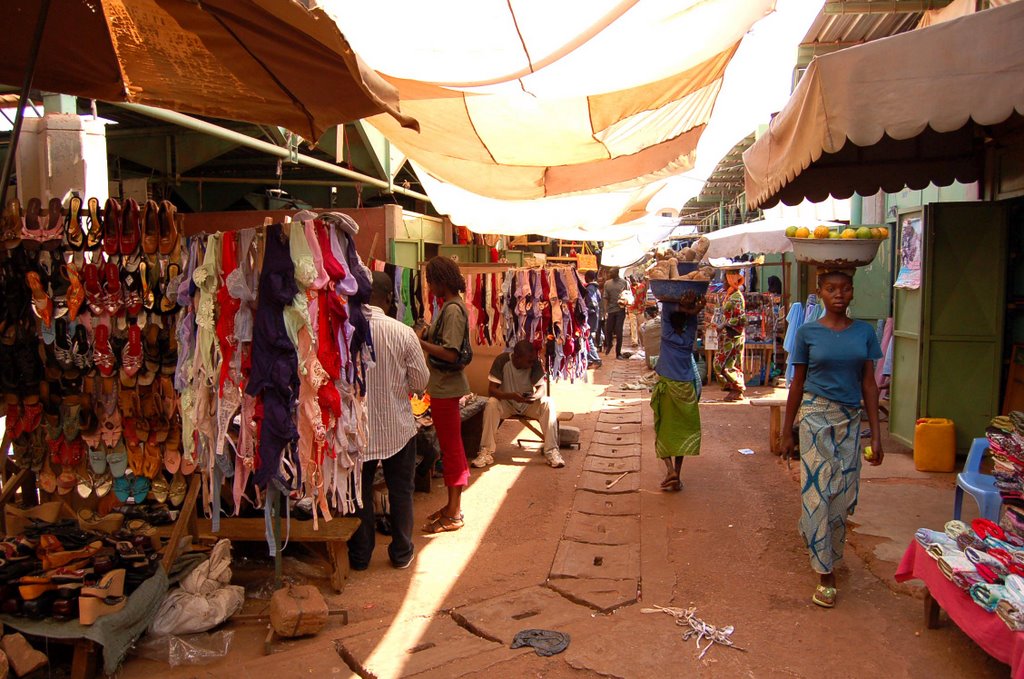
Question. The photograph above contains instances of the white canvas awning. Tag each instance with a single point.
(766, 236)
(907, 110)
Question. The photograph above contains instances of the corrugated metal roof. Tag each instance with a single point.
(857, 28)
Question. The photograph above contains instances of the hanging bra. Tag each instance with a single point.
(241, 287)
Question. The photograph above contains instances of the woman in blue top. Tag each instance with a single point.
(676, 395)
(834, 360)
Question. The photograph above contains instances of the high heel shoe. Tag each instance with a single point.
(90, 609)
(110, 585)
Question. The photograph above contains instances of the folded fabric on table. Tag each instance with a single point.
(938, 551)
(979, 557)
(966, 579)
(987, 596)
(988, 574)
(1011, 615)
(967, 540)
(955, 529)
(952, 564)
(1015, 591)
(926, 538)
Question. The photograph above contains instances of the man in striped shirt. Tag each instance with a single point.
(400, 369)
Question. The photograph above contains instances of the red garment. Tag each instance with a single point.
(227, 307)
(448, 425)
(987, 630)
(326, 339)
(332, 266)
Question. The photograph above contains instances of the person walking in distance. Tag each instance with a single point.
(593, 301)
(613, 289)
(398, 371)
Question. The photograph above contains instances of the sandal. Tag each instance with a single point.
(168, 230)
(113, 294)
(824, 596)
(111, 227)
(150, 229)
(76, 291)
(444, 524)
(42, 305)
(74, 238)
(13, 224)
(94, 234)
(103, 354)
(131, 230)
(93, 288)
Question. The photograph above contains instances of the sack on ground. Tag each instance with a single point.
(205, 598)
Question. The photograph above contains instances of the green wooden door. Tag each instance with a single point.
(872, 285)
(906, 354)
(962, 325)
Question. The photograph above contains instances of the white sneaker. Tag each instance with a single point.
(554, 458)
(482, 460)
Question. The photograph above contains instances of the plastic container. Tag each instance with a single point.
(670, 291)
(687, 267)
(935, 445)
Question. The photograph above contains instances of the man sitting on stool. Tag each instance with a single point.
(515, 383)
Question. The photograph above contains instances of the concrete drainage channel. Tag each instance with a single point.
(597, 563)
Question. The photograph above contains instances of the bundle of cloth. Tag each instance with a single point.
(984, 559)
(1006, 443)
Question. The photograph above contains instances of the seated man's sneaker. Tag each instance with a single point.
(482, 460)
(554, 458)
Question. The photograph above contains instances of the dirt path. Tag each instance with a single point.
(727, 544)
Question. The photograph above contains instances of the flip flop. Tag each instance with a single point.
(443, 524)
(824, 596)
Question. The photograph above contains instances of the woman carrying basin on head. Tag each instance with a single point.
(834, 373)
(676, 395)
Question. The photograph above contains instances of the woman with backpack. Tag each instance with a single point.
(447, 345)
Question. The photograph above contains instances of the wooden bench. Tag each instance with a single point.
(774, 420)
(334, 533)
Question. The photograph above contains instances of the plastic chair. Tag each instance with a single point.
(982, 487)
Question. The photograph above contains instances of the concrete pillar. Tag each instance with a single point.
(59, 153)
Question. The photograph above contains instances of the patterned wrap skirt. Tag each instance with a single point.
(829, 476)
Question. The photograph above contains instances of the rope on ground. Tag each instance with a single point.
(698, 629)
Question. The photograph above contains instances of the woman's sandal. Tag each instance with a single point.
(824, 596)
(444, 524)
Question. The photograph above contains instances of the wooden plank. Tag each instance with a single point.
(254, 529)
(182, 524)
(85, 660)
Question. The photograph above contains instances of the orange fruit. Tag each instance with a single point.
(875, 234)
(821, 232)
(847, 234)
(803, 232)
(883, 232)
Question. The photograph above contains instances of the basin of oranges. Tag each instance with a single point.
(841, 247)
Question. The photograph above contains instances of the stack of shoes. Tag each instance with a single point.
(88, 349)
(60, 571)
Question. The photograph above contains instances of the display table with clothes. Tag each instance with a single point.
(986, 629)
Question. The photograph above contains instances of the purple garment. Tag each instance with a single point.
(275, 371)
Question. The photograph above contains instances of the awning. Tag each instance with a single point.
(524, 101)
(643, 232)
(766, 236)
(908, 110)
(262, 61)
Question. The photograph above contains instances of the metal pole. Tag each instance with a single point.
(26, 87)
(224, 133)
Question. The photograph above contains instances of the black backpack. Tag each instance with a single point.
(465, 351)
